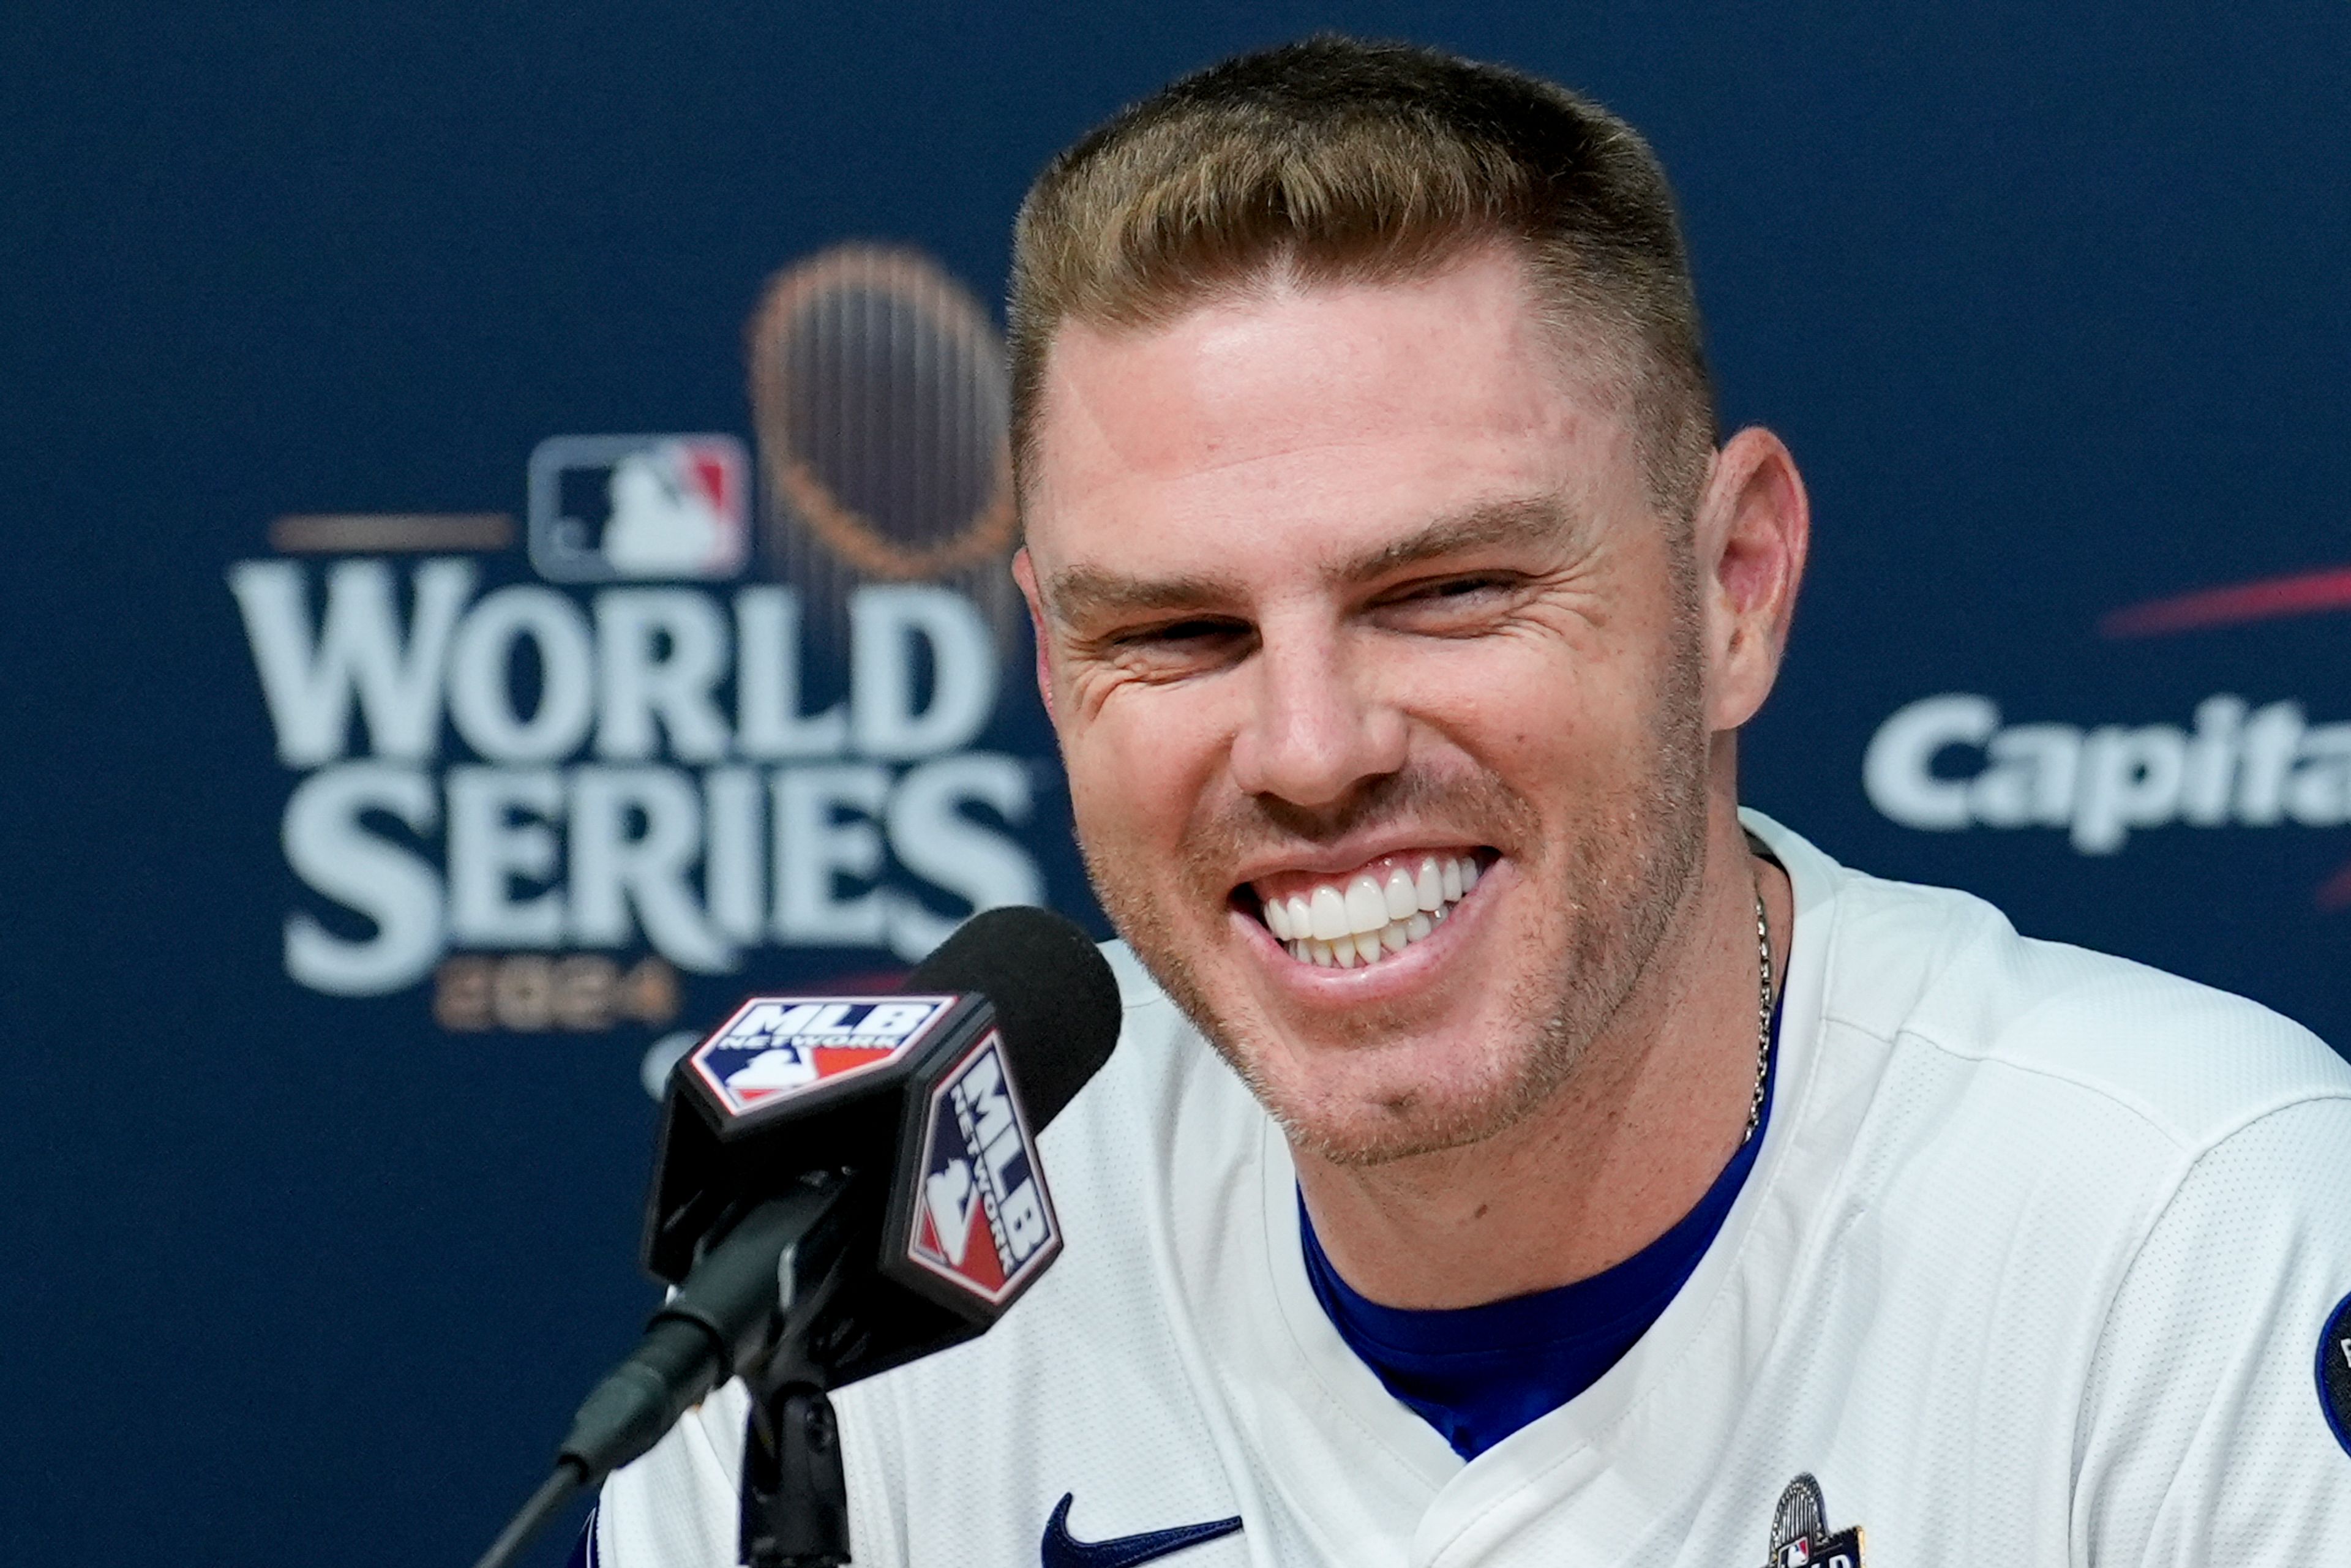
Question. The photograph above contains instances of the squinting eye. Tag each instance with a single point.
(1182, 632)
(1450, 587)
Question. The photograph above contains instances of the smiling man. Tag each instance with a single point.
(1515, 1155)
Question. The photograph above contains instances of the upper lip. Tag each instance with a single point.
(1333, 859)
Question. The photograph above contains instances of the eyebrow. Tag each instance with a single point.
(1089, 591)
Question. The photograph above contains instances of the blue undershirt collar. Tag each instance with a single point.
(1479, 1373)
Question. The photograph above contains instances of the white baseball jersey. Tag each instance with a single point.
(2033, 1268)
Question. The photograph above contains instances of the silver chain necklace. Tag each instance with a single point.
(1763, 999)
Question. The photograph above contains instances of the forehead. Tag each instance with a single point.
(1296, 422)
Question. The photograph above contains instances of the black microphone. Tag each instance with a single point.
(845, 1184)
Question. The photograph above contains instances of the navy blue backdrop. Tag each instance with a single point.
(2049, 305)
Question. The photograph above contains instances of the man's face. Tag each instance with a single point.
(1343, 592)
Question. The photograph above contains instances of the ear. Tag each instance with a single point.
(1753, 530)
(1024, 572)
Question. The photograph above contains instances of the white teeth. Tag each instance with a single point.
(1368, 919)
(1330, 912)
(1402, 897)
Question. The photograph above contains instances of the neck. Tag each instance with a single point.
(1654, 1109)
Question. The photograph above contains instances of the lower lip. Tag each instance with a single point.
(1370, 982)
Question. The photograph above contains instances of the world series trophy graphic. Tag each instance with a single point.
(879, 392)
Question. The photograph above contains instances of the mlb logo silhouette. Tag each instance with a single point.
(608, 507)
(982, 1220)
(776, 1047)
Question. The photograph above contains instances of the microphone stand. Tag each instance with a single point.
(795, 1498)
(749, 1311)
(795, 1508)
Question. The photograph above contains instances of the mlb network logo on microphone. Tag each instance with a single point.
(772, 1049)
(982, 1220)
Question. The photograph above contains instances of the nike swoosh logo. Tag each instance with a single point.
(1059, 1549)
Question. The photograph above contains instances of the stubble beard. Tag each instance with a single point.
(1614, 886)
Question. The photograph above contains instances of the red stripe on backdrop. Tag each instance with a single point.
(2307, 593)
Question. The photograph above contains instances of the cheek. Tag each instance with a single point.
(1514, 702)
(1556, 718)
(1138, 768)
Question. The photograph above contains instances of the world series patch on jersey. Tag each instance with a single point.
(1799, 1537)
(2026, 1274)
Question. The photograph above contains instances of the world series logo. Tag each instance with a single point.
(696, 724)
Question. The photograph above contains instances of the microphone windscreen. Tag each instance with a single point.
(1056, 1000)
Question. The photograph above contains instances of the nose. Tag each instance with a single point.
(1318, 724)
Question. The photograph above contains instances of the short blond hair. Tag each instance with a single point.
(1338, 161)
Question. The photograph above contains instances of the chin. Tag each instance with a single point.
(1378, 1082)
(1367, 1103)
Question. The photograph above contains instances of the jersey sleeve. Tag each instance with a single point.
(679, 1505)
(2204, 1436)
